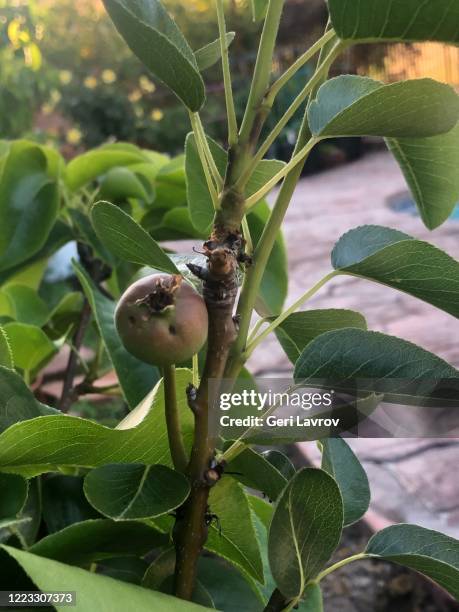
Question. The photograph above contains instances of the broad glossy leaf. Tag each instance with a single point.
(27, 306)
(256, 472)
(210, 54)
(430, 552)
(229, 590)
(305, 529)
(121, 183)
(237, 542)
(6, 356)
(395, 20)
(430, 169)
(350, 105)
(95, 591)
(17, 402)
(379, 363)
(59, 236)
(259, 8)
(339, 461)
(398, 260)
(41, 444)
(86, 233)
(87, 167)
(13, 495)
(135, 377)
(30, 346)
(297, 330)
(170, 184)
(135, 491)
(86, 542)
(127, 569)
(125, 238)
(30, 516)
(158, 43)
(312, 599)
(64, 502)
(64, 315)
(281, 462)
(28, 203)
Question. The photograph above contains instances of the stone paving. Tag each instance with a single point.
(412, 480)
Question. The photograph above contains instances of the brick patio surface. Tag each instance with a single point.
(412, 480)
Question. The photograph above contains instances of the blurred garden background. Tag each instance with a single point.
(67, 78)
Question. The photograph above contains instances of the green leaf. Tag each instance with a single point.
(64, 502)
(281, 462)
(198, 196)
(430, 169)
(305, 530)
(135, 377)
(85, 232)
(64, 315)
(13, 495)
(30, 516)
(27, 305)
(87, 167)
(350, 105)
(94, 591)
(429, 552)
(312, 599)
(135, 491)
(396, 259)
(31, 347)
(210, 54)
(256, 472)
(43, 444)
(125, 238)
(259, 8)
(377, 363)
(300, 328)
(127, 569)
(120, 183)
(86, 542)
(339, 461)
(17, 402)
(28, 203)
(399, 20)
(158, 43)
(6, 356)
(230, 592)
(237, 542)
(59, 235)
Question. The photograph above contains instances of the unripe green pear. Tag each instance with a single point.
(162, 320)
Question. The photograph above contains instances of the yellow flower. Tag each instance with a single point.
(135, 95)
(47, 108)
(55, 96)
(74, 136)
(157, 114)
(65, 76)
(138, 110)
(146, 84)
(108, 76)
(90, 82)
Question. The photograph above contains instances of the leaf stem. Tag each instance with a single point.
(296, 159)
(174, 431)
(340, 564)
(292, 109)
(247, 236)
(291, 309)
(230, 111)
(299, 63)
(263, 67)
(203, 158)
(210, 158)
